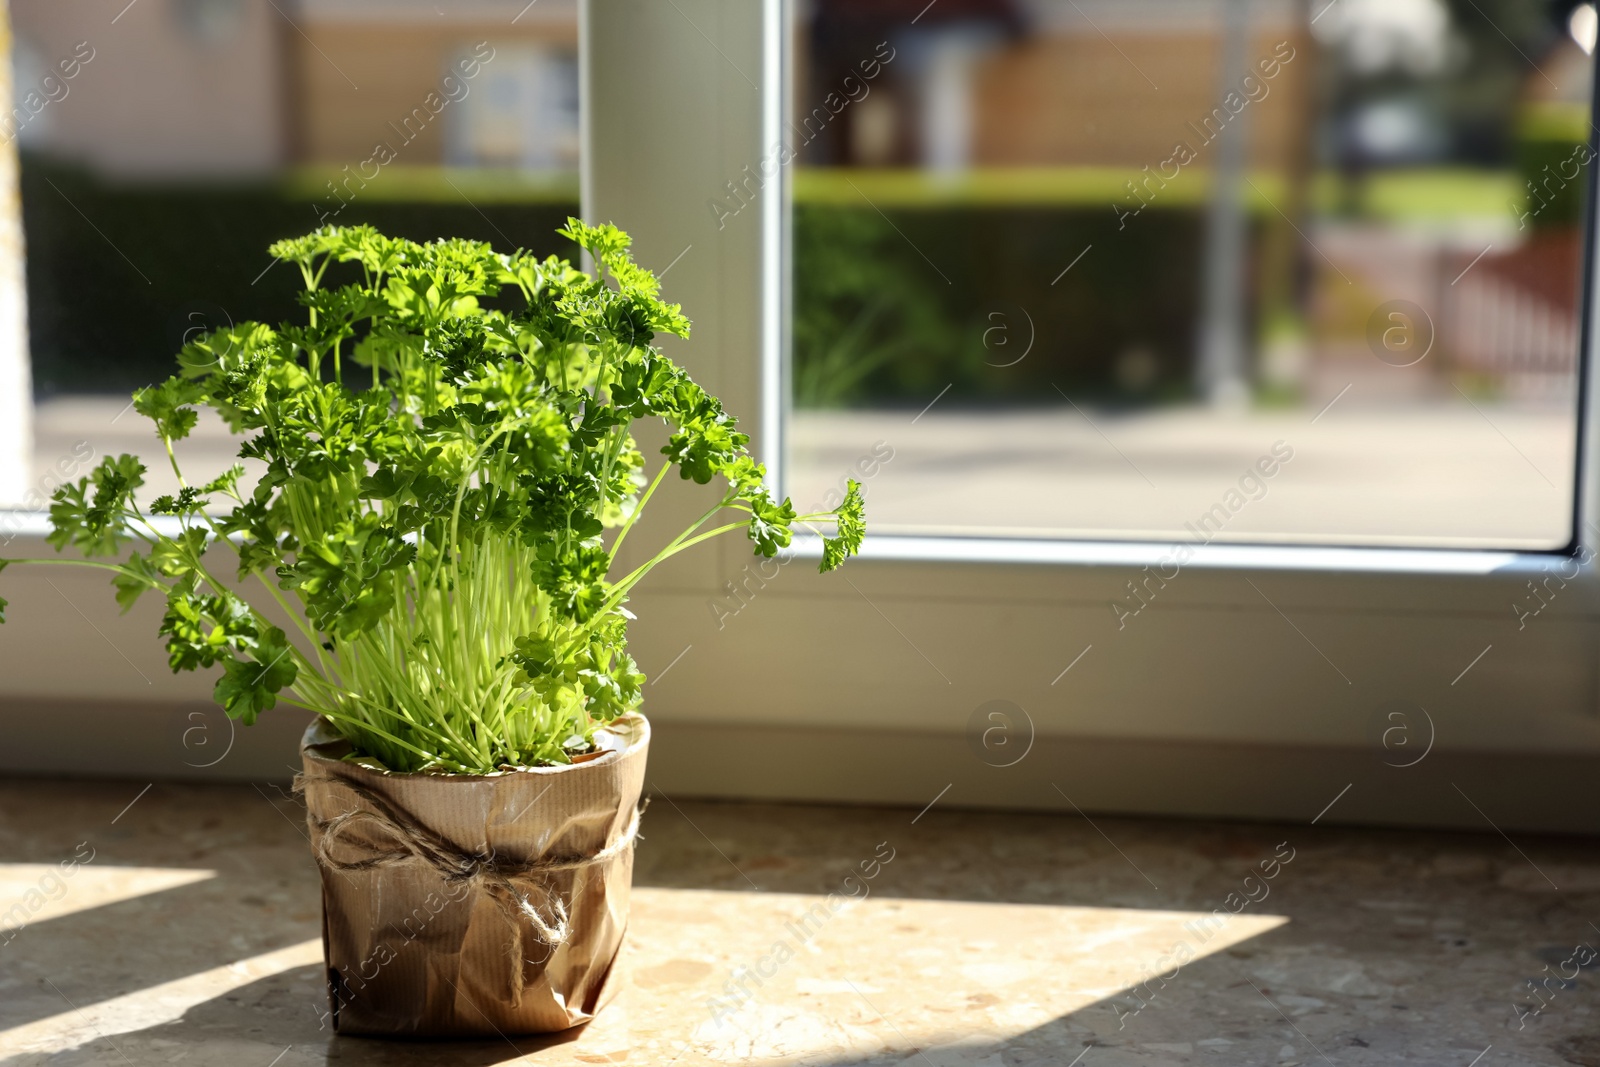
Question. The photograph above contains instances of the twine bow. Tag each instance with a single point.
(514, 886)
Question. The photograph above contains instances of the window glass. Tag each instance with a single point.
(165, 145)
(1246, 270)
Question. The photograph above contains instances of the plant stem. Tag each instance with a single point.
(638, 509)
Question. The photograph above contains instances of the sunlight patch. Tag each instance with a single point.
(35, 892)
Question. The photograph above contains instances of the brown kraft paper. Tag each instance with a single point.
(471, 905)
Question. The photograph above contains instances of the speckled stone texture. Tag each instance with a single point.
(186, 931)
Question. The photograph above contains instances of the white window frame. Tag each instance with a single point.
(1250, 687)
(1251, 683)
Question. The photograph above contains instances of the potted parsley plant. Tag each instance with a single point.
(428, 562)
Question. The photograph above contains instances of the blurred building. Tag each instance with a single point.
(211, 88)
(989, 83)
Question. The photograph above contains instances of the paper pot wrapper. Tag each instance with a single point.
(456, 905)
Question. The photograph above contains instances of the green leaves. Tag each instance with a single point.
(170, 406)
(202, 629)
(631, 313)
(136, 576)
(574, 579)
(612, 691)
(347, 580)
(377, 254)
(226, 482)
(250, 686)
(597, 672)
(225, 351)
(206, 630)
(308, 250)
(187, 501)
(179, 557)
(851, 520)
(438, 447)
(96, 526)
(705, 443)
(769, 524)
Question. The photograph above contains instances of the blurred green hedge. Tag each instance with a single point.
(892, 307)
(118, 272)
(889, 309)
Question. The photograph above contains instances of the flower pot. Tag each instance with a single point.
(473, 905)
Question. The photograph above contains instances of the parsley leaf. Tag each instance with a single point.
(852, 526)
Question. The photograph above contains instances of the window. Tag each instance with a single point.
(1240, 270)
(1430, 540)
(1065, 591)
(163, 148)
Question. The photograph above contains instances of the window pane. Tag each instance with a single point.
(164, 149)
(1248, 270)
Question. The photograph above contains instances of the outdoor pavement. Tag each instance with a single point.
(1444, 471)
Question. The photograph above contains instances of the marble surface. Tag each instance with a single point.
(184, 929)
